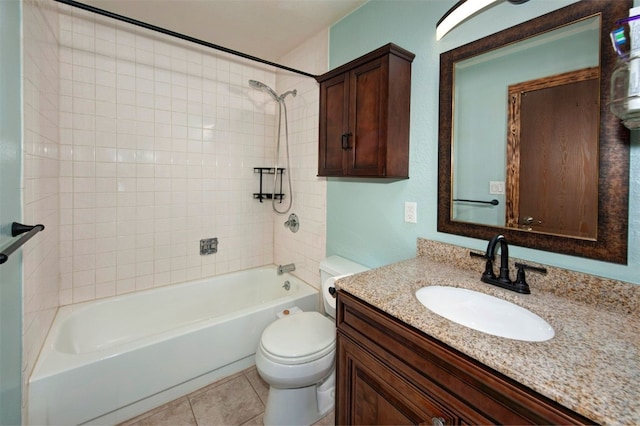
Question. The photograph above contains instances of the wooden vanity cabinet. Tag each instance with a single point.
(364, 116)
(391, 373)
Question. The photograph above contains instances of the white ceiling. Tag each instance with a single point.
(267, 29)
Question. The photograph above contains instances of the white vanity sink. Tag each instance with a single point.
(485, 313)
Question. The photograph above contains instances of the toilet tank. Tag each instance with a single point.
(334, 266)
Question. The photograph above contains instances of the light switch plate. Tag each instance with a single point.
(496, 187)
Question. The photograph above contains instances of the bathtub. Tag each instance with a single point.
(108, 360)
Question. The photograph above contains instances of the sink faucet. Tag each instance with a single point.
(504, 260)
(502, 280)
(286, 268)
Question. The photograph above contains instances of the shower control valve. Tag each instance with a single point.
(208, 246)
(293, 223)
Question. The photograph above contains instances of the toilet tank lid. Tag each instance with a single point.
(337, 265)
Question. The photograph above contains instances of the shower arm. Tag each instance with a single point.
(293, 92)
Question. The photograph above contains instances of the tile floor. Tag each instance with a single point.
(233, 401)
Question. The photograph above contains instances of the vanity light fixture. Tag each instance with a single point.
(462, 11)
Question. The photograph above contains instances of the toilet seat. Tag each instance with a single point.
(299, 338)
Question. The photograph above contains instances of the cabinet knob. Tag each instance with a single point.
(345, 140)
(438, 421)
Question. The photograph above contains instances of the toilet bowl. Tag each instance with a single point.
(296, 357)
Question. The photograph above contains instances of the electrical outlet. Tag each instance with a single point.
(410, 212)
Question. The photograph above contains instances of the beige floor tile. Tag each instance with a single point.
(259, 385)
(172, 414)
(233, 402)
(328, 420)
(237, 400)
(216, 383)
(256, 421)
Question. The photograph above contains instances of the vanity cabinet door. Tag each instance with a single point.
(364, 116)
(384, 364)
(373, 394)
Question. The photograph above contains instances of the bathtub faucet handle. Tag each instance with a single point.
(293, 223)
(286, 268)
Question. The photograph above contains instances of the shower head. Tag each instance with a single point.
(261, 86)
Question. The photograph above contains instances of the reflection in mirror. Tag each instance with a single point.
(526, 124)
(552, 154)
(480, 122)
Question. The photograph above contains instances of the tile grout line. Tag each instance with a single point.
(254, 388)
(193, 413)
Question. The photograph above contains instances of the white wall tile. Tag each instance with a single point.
(162, 154)
(307, 247)
(47, 75)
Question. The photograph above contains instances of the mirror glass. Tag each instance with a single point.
(480, 122)
(526, 138)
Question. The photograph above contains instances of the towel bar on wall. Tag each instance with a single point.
(26, 231)
(493, 202)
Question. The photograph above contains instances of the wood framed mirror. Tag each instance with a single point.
(605, 237)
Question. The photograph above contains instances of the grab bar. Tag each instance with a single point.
(493, 202)
(19, 229)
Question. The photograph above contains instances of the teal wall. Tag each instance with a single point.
(365, 219)
(10, 210)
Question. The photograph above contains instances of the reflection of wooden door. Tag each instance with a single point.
(552, 177)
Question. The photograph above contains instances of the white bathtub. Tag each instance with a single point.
(108, 360)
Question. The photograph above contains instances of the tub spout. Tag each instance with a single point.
(286, 268)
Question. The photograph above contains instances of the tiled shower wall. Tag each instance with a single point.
(158, 141)
(136, 146)
(307, 247)
(40, 174)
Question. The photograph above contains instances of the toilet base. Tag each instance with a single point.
(301, 406)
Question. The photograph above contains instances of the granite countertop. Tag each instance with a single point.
(591, 365)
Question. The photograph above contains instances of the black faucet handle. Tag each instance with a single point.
(523, 266)
(521, 285)
(488, 267)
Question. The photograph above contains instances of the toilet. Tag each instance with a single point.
(296, 356)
